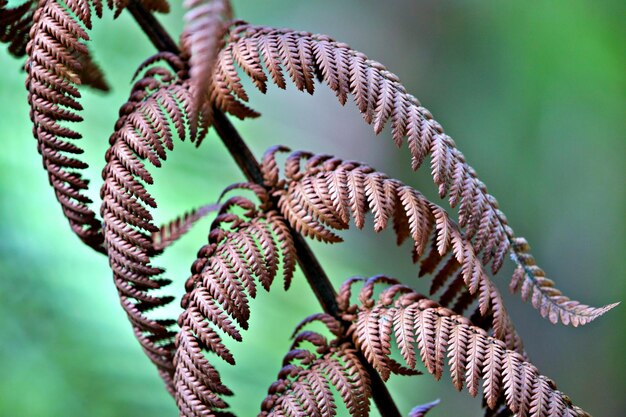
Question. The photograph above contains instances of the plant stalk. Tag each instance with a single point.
(313, 271)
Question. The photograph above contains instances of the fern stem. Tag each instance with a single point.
(248, 164)
(157, 34)
(313, 271)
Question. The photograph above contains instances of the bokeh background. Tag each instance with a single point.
(533, 94)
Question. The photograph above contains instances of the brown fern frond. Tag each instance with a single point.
(326, 191)
(474, 357)
(174, 230)
(305, 383)
(203, 37)
(544, 297)
(56, 54)
(381, 98)
(197, 381)
(83, 9)
(91, 74)
(155, 113)
(242, 249)
(15, 23)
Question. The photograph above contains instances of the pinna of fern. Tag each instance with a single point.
(419, 328)
(202, 39)
(406, 319)
(247, 244)
(53, 34)
(320, 193)
(15, 25)
(56, 52)
(154, 115)
(305, 383)
(265, 54)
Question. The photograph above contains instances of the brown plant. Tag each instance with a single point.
(183, 92)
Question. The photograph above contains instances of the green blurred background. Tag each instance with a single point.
(533, 93)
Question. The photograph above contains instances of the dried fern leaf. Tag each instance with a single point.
(326, 192)
(381, 98)
(56, 58)
(550, 302)
(305, 383)
(91, 74)
(15, 23)
(155, 113)
(243, 249)
(174, 230)
(474, 357)
(202, 39)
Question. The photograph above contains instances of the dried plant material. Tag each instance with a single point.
(305, 383)
(91, 74)
(203, 37)
(174, 230)
(241, 251)
(180, 94)
(550, 302)
(15, 23)
(53, 69)
(321, 192)
(475, 359)
(381, 98)
(156, 113)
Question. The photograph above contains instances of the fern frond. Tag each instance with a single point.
(550, 302)
(174, 230)
(327, 191)
(155, 113)
(242, 250)
(305, 383)
(15, 23)
(56, 58)
(474, 357)
(381, 98)
(202, 39)
(91, 74)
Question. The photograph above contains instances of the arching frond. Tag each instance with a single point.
(381, 99)
(242, 250)
(440, 337)
(156, 112)
(320, 192)
(306, 382)
(203, 37)
(550, 302)
(57, 56)
(174, 230)
(15, 23)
